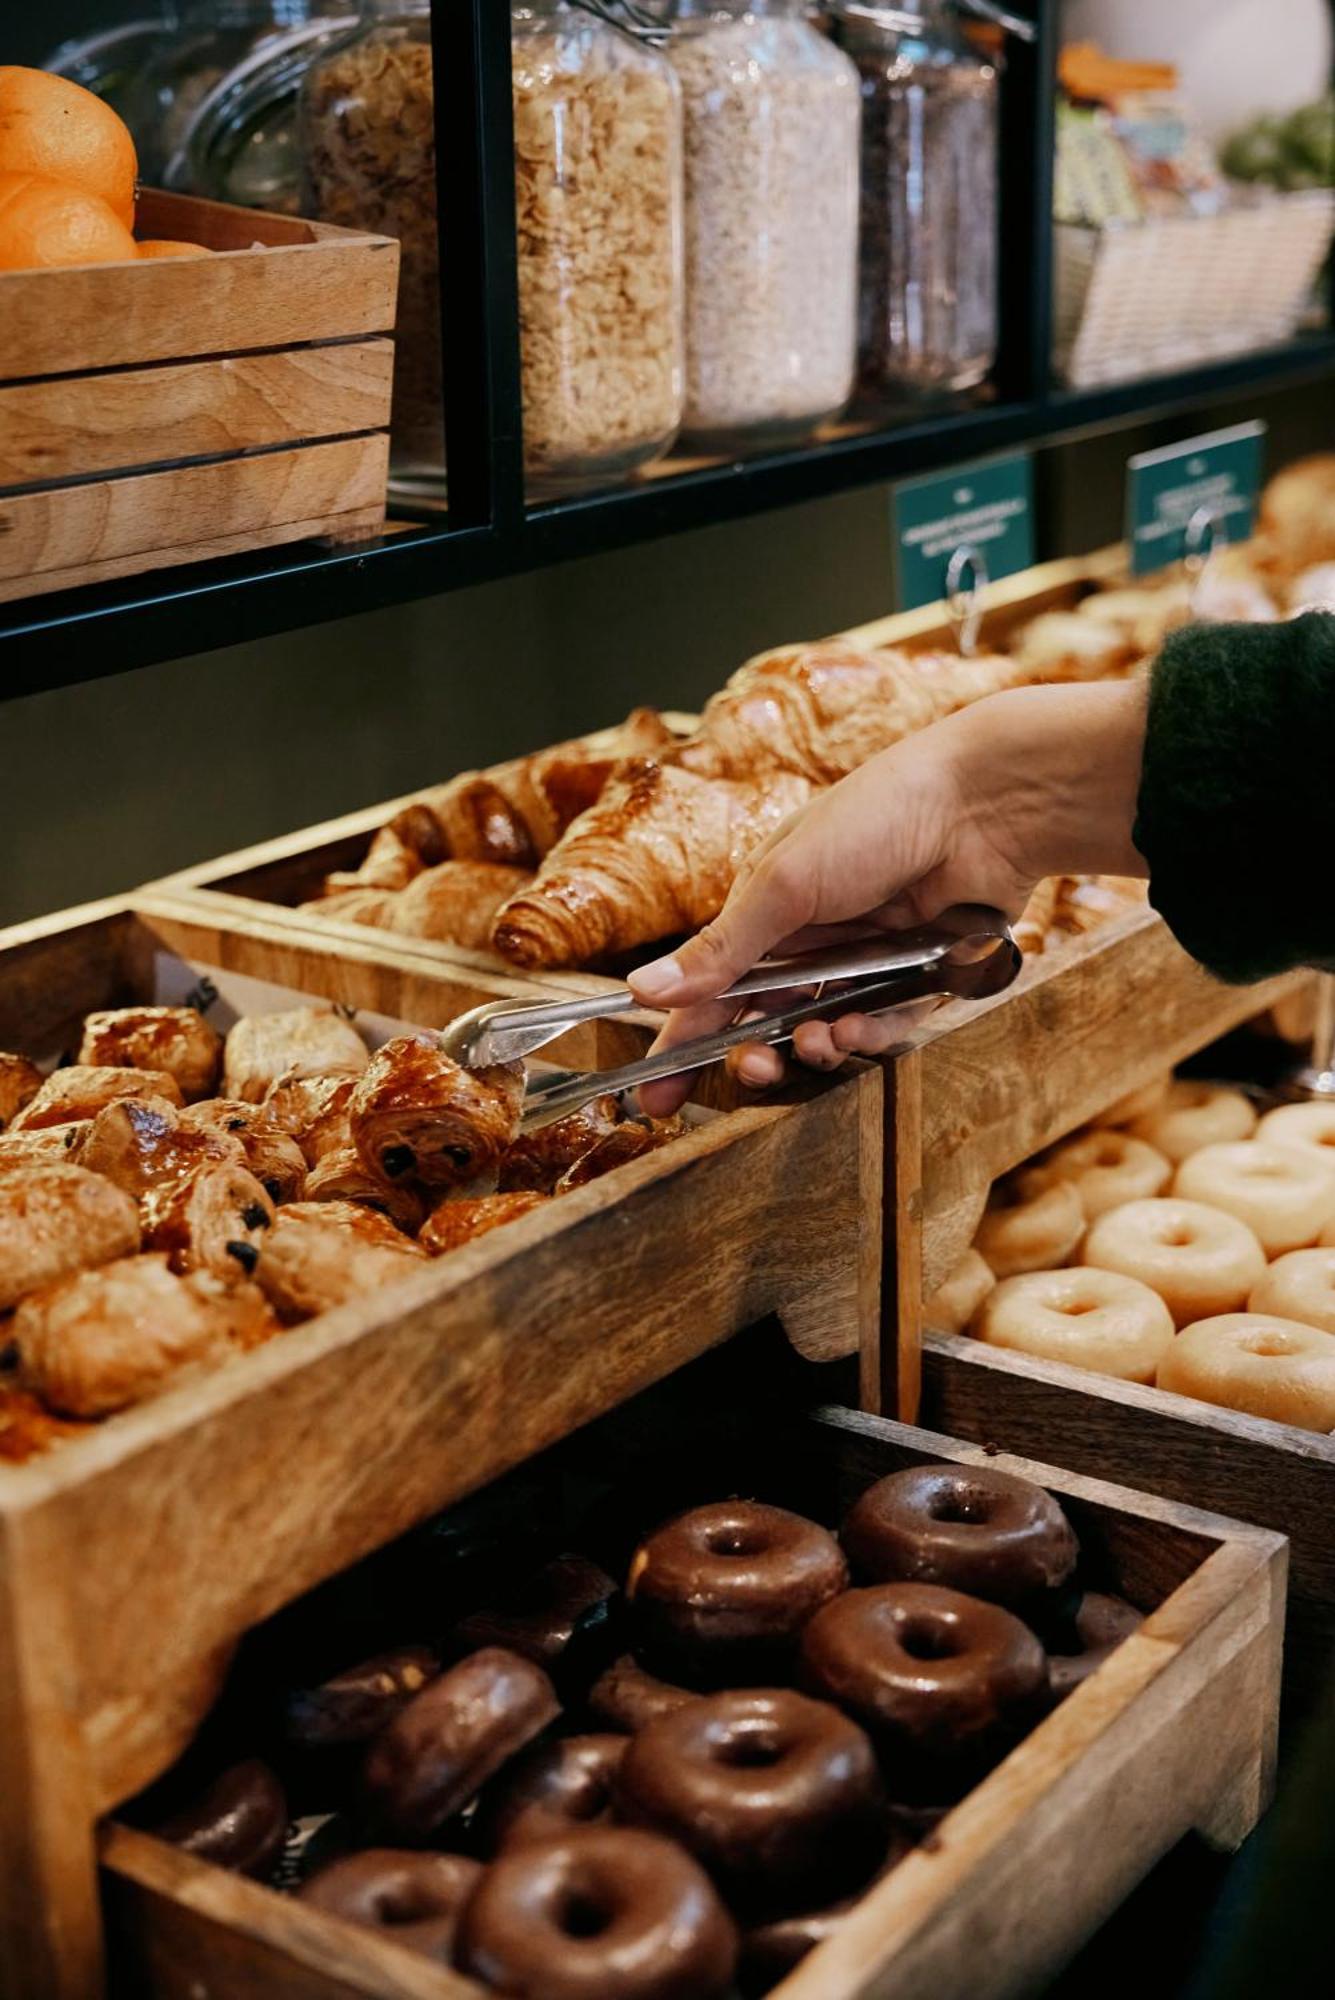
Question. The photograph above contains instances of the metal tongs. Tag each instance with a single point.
(968, 954)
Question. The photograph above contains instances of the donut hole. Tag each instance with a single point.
(960, 1506)
(750, 1750)
(1077, 1308)
(730, 1538)
(1269, 1344)
(928, 1639)
(582, 1914)
(1110, 1154)
(1177, 1237)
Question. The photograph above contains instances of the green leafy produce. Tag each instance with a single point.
(1293, 152)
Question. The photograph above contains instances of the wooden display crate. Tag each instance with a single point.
(1176, 1732)
(170, 411)
(131, 1560)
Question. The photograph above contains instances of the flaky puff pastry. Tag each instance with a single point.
(142, 1141)
(373, 907)
(416, 1114)
(627, 1142)
(655, 857)
(320, 1254)
(342, 1175)
(20, 1081)
(455, 1223)
(1297, 520)
(174, 1039)
(456, 902)
(820, 711)
(81, 1091)
(48, 1142)
(302, 1041)
(313, 1110)
(213, 1217)
(104, 1339)
(273, 1155)
(537, 1160)
(55, 1219)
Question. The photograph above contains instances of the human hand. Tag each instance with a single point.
(977, 809)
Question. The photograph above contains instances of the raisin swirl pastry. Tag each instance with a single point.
(174, 1039)
(273, 1156)
(416, 1113)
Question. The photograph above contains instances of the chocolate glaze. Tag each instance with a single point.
(352, 1706)
(417, 1898)
(549, 1791)
(967, 1528)
(240, 1822)
(627, 1697)
(1099, 1627)
(560, 1615)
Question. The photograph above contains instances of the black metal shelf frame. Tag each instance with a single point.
(489, 530)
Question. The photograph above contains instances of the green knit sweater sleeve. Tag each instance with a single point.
(1236, 815)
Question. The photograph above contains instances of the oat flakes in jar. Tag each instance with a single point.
(771, 113)
(368, 144)
(598, 195)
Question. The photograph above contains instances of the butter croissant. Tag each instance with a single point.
(655, 857)
(456, 902)
(417, 1114)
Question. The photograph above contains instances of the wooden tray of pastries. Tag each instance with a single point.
(622, 1776)
(188, 1470)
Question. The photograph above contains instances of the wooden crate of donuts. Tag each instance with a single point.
(237, 1355)
(566, 1731)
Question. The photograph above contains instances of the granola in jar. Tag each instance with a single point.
(369, 149)
(771, 145)
(598, 204)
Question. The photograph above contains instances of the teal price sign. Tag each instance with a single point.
(1182, 500)
(987, 507)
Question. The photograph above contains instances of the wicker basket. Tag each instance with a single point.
(1167, 293)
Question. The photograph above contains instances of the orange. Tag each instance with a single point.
(44, 223)
(56, 128)
(160, 247)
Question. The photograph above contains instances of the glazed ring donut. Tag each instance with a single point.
(1087, 1318)
(239, 1822)
(1300, 1286)
(1098, 1629)
(972, 1528)
(1266, 1366)
(625, 1697)
(1286, 1194)
(602, 1914)
(1199, 1260)
(925, 1670)
(1302, 1125)
(772, 1792)
(1032, 1223)
(440, 1750)
(950, 1309)
(770, 1950)
(551, 1791)
(1195, 1115)
(729, 1586)
(1142, 1103)
(1107, 1169)
(417, 1898)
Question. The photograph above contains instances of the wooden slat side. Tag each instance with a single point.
(74, 426)
(77, 527)
(174, 1917)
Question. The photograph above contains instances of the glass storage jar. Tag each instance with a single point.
(212, 36)
(369, 151)
(771, 151)
(108, 62)
(243, 144)
(598, 193)
(927, 315)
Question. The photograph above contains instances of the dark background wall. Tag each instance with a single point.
(112, 783)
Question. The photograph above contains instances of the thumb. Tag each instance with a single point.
(761, 911)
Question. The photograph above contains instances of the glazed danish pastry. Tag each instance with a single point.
(537, 1160)
(100, 1340)
(417, 1113)
(313, 1110)
(301, 1042)
(273, 1156)
(140, 1142)
(342, 1175)
(70, 1095)
(212, 1216)
(175, 1039)
(20, 1081)
(626, 1142)
(455, 1223)
(321, 1254)
(55, 1219)
(47, 1143)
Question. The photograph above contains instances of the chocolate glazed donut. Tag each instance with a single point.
(441, 1749)
(626, 1697)
(725, 1589)
(356, 1704)
(415, 1898)
(550, 1791)
(559, 1616)
(1099, 1627)
(602, 1914)
(772, 1792)
(240, 1822)
(968, 1528)
(927, 1672)
(771, 1950)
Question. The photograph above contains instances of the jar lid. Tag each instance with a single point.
(914, 12)
(268, 77)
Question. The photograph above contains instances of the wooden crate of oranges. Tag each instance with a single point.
(178, 379)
